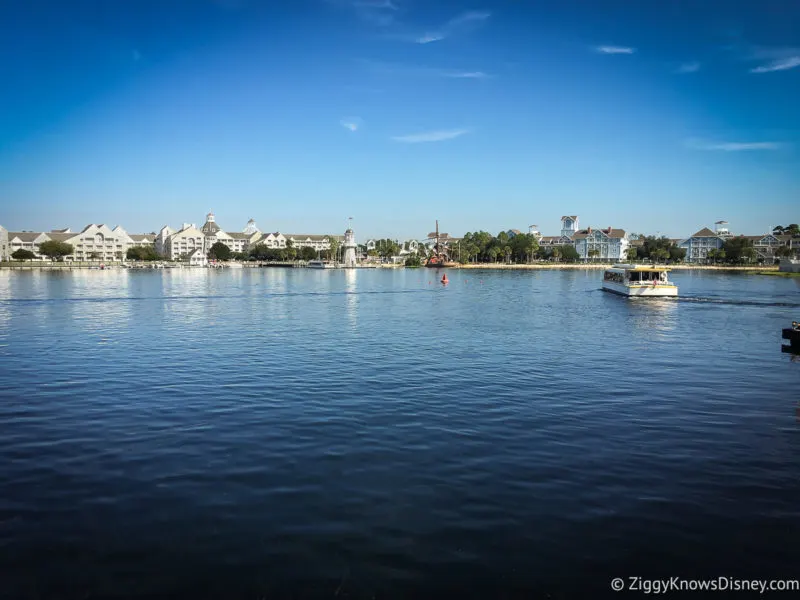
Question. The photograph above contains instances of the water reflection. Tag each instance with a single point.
(351, 305)
(652, 315)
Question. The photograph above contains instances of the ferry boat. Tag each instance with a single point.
(646, 281)
(321, 264)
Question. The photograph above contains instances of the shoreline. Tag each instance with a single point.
(608, 266)
(767, 270)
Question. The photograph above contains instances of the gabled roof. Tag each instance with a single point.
(65, 230)
(610, 233)
(705, 232)
(311, 236)
(573, 217)
(142, 237)
(62, 237)
(241, 236)
(550, 239)
(25, 236)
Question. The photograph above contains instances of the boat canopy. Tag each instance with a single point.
(642, 268)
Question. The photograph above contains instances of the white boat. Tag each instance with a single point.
(646, 281)
(321, 264)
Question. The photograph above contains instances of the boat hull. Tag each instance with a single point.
(318, 264)
(641, 291)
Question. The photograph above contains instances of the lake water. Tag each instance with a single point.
(295, 433)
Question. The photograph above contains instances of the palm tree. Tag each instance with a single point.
(593, 253)
(556, 253)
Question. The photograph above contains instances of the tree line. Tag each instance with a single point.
(656, 249)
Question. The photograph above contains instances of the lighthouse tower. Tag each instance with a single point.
(349, 248)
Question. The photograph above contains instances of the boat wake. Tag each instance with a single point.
(734, 302)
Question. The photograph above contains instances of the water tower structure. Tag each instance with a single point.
(349, 247)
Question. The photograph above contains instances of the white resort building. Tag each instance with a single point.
(175, 245)
(601, 244)
(94, 242)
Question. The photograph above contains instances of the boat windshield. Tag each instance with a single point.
(639, 276)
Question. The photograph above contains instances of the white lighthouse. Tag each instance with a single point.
(349, 248)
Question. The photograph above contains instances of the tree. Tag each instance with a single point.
(142, 253)
(95, 256)
(307, 253)
(413, 261)
(55, 250)
(220, 251)
(556, 252)
(715, 255)
(632, 253)
(23, 254)
(677, 254)
(569, 254)
(593, 253)
(739, 250)
(334, 246)
(659, 254)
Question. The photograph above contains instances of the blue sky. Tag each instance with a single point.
(651, 116)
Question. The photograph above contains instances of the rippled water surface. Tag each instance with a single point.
(295, 433)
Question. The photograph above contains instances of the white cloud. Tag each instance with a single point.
(459, 24)
(351, 123)
(376, 12)
(778, 65)
(734, 146)
(431, 136)
(689, 67)
(615, 50)
(389, 68)
(465, 74)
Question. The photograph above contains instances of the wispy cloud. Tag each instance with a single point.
(688, 67)
(460, 24)
(773, 58)
(733, 146)
(615, 50)
(431, 136)
(465, 74)
(351, 123)
(375, 12)
(783, 64)
(389, 68)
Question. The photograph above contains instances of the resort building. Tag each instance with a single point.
(272, 240)
(94, 242)
(176, 244)
(317, 242)
(549, 241)
(569, 226)
(4, 253)
(766, 245)
(237, 242)
(601, 244)
(183, 242)
(196, 258)
(698, 245)
(25, 240)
